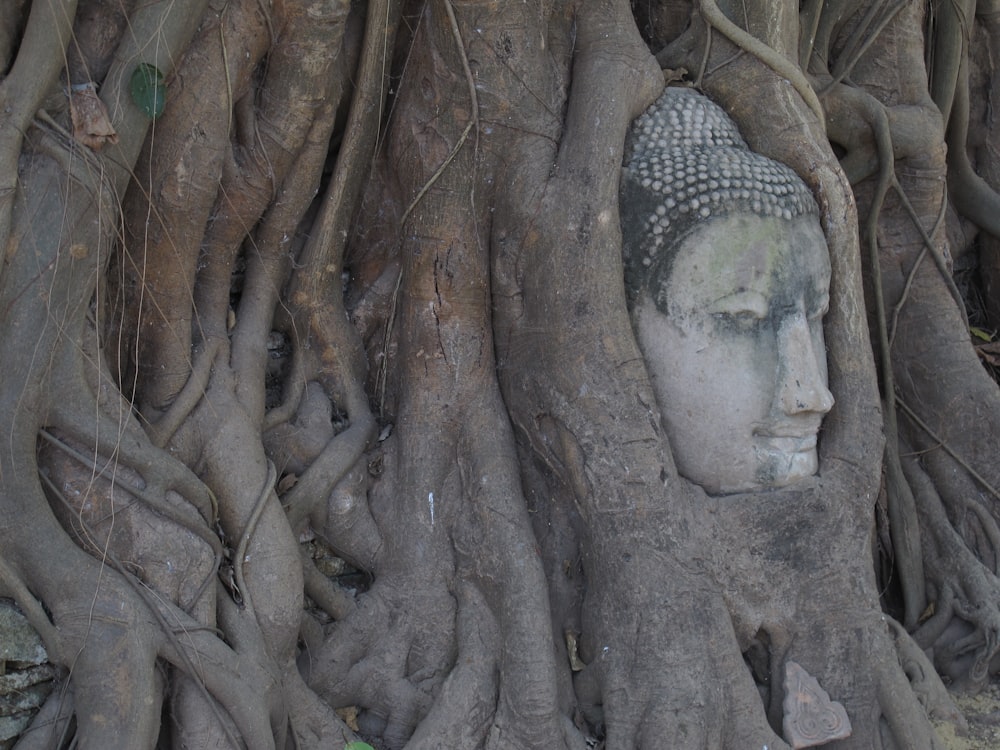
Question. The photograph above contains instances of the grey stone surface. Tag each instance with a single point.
(18, 640)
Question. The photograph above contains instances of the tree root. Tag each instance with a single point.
(161, 472)
(778, 63)
(187, 399)
(963, 587)
(52, 725)
(471, 689)
(383, 658)
(924, 680)
(12, 585)
(40, 58)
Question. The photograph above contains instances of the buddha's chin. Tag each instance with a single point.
(768, 468)
(781, 468)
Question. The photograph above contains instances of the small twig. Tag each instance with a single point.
(473, 119)
(902, 505)
(437, 173)
(382, 375)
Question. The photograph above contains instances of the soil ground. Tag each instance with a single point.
(982, 711)
(983, 714)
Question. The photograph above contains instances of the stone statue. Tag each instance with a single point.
(728, 278)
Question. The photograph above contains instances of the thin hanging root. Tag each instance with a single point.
(295, 385)
(913, 271)
(974, 198)
(779, 64)
(153, 602)
(164, 428)
(988, 525)
(163, 472)
(13, 586)
(472, 123)
(809, 16)
(318, 275)
(52, 725)
(241, 548)
(326, 241)
(902, 505)
(152, 500)
(853, 51)
(382, 374)
(952, 31)
(933, 436)
(939, 262)
(473, 118)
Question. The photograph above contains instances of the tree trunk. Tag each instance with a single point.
(326, 419)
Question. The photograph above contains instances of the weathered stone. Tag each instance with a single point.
(12, 726)
(18, 640)
(811, 718)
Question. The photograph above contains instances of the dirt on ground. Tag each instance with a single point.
(982, 711)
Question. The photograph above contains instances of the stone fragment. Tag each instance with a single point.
(18, 640)
(811, 718)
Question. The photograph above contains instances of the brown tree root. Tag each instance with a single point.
(52, 725)
(925, 681)
(964, 589)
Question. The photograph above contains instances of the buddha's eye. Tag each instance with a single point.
(742, 311)
(744, 321)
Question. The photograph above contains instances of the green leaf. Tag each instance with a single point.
(358, 746)
(979, 333)
(149, 92)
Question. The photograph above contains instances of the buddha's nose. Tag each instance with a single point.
(802, 367)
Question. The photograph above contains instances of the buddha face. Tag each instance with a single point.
(735, 351)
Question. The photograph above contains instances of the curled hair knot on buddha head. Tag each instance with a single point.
(686, 163)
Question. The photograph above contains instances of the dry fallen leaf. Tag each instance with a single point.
(91, 123)
(671, 75)
(286, 483)
(349, 715)
(989, 352)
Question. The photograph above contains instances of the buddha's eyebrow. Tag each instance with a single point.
(745, 293)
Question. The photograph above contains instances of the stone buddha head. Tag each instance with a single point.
(728, 275)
